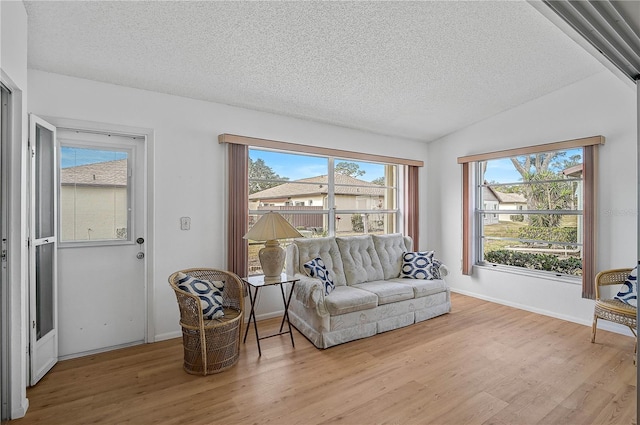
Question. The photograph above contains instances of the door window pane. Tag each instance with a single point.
(44, 207)
(44, 289)
(94, 194)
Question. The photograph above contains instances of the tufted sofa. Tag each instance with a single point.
(369, 296)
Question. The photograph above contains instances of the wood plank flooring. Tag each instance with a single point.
(481, 364)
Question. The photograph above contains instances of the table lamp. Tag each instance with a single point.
(271, 227)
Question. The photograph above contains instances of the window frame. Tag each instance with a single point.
(589, 231)
(331, 211)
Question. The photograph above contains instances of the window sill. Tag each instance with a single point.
(573, 280)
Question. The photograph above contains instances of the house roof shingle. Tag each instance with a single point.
(345, 185)
(109, 173)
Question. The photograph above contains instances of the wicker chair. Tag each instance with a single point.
(210, 346)
(612, 309)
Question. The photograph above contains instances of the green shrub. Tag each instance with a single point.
(546, 262)
(356, 223)
(517, 217)
(558, 234)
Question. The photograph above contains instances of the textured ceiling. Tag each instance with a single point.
(414, 69)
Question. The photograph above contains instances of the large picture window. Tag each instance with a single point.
(533, 210)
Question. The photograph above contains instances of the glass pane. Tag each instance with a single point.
(535, 167)
(94, 194)
(44, 289)
(529, 241)
(364, 223)
(309, 224)
(44, 170)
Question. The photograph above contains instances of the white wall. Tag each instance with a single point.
(599, 105)
(13, 66)
(190, 165)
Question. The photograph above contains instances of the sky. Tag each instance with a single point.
(72, 157)
(302, 166)
(503, 171)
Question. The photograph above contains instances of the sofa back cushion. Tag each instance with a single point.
(326, 249)
(390, 249)
(360, 259)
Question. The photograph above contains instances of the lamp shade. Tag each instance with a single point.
(272, 226)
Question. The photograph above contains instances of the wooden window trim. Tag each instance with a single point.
(548, 147)
(314, 150)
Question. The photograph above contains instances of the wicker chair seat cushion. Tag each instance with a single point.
(209, 293)
(616, 311)
(230, 315)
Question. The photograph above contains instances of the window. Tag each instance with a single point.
(546, 191)
(545, 197)
(94, 194)
(378, 210)
(360, 197)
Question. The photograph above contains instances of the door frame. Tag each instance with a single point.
(5, 140)
(147, 151)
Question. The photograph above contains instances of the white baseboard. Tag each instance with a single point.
(99, 350)
(168, 335)
(602, 324)
(21, 410)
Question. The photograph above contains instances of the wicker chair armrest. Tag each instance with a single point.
(190, 309)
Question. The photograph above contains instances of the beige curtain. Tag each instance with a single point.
(411, 207)
(238, 213)
(589, 243)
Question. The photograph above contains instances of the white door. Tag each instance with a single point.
(43, 315)
(102, 285)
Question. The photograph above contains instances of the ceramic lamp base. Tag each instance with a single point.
(272, 259)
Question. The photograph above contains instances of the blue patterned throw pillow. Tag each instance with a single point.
(420, 265)
(316, 268)
(629, 291)
(210, 294)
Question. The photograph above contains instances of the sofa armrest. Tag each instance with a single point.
(309, 291)
(444, 270)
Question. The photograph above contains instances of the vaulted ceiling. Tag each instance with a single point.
(419, 70)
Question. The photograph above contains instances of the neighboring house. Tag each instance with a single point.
(93, 201)
(491, 202)
(495, 200)
(311, 193)
(510, 202)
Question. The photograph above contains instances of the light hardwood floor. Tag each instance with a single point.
(481, 364)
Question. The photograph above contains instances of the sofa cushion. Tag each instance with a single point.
(423, 287)
(419, 265)
(316, 268)
(360, 259)
(390, 249)
(345, 299)
(325, 248)
(387, 292)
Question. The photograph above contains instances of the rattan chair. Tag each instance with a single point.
(612, 309)
(210, 346)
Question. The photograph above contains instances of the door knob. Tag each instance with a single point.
(140, 255)
(140, 241)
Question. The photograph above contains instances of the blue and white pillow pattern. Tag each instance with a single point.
(629, 291)
(420, 265)
(210, 294)
(316, 268)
